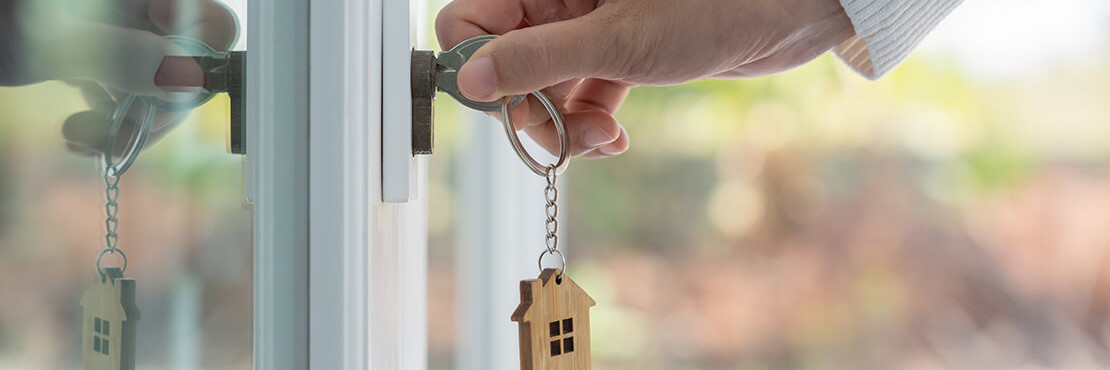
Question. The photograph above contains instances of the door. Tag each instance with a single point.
(64, 66)
(285, 258)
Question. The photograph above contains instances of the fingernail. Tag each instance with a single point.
(609, 150)
(477, 80)
(595, 137)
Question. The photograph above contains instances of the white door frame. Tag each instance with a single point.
(277, 179)
(340, 276)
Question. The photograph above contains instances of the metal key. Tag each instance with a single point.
(447, 70)
(431, 73)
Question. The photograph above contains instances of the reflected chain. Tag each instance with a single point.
(111, 208)
(111, 222)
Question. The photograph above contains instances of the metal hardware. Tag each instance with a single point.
(423, 99)
(226, 73)
(236, 84)
(223, 72)
(430, 74)
(560, 128)
(448, 65)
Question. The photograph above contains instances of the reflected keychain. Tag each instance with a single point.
(554, 313)
(109, 311)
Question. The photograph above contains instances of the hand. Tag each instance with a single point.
(587, 54)
(108, 52)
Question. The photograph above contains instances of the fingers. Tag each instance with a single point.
(206, 20)
(604, 95)
(462, 19)
(530, 112)
(534, 58)
(588, 105)
(587, 132)
(86, 132)
(616, 147)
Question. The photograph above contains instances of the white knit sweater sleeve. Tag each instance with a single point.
(887, 31)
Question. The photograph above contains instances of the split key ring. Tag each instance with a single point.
(559, 166)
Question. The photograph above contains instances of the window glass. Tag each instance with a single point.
(64, 66)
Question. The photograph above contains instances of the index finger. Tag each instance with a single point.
(462, 19)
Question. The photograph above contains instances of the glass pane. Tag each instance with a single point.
(949, 215)
(65, 65)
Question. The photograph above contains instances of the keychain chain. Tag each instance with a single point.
(111, 221)
(551, 194)
(548, 172)
(551, 209)
(111, 208)
(113, 171)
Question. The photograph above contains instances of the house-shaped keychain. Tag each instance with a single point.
(109, 317)
(554, 322)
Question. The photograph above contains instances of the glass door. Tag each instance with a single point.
(65, 66)
(286, 257)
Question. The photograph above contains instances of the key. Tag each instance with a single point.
(431, 73)
(447, 69)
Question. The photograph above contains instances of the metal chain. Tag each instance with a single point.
(111, 209)
(551, 194)
(111, 222)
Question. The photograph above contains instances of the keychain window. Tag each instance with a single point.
(557, 330)
(100, 340)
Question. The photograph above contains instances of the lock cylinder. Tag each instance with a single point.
(423, 99)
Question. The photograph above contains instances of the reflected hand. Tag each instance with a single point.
(108, 52)
(587, 54)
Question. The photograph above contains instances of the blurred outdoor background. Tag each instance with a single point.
(182, 226)
(951, 215)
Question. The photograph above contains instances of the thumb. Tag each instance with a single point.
(533, 58)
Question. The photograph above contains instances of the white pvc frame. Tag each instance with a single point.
(277, 179)
(340, 276)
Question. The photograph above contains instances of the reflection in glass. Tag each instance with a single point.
(64, 65)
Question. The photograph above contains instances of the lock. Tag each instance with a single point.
(430, 74)
(226, 72)
(423, 99)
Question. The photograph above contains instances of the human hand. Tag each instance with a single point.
(108, 52)
(587, 54)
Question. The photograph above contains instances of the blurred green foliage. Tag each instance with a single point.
(817, 220)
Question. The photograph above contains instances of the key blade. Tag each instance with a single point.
(448, 64)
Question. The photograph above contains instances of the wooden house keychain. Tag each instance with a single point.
(554, 313)
(109, 312)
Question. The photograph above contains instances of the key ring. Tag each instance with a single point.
(562, 260)
(112, 251)
(135, 143)
(560, 127)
